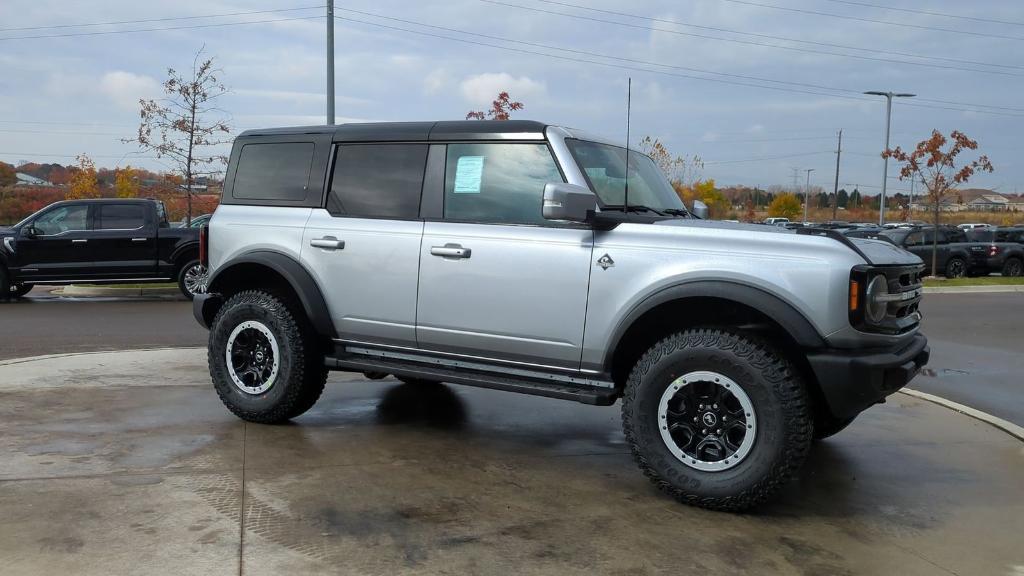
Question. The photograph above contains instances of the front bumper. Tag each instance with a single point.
(204, 307)
(853, 380)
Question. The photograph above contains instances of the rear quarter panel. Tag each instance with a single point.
(236, 229)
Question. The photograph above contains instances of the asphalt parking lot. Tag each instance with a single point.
(126, 463)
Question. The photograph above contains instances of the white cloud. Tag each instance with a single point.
(435, 81)
(125, 89)
(481, 89)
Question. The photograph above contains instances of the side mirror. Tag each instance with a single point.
(700, 210)
(567, 202)
(30, 232)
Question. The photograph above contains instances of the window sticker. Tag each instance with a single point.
(468, 173)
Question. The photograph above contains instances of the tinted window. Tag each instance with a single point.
(954, 235)
(120, 217)
(62, 219)
(378, 180)
(278, 171)
(914, 239)
(497, 182)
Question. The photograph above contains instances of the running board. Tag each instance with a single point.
(551, 389)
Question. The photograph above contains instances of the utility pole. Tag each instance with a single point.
(835, 188)
(330, 62)
(885, 170)
(807, 192)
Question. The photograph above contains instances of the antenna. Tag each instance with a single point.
(629, 98)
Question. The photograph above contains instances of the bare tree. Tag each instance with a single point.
(937, 167)
(186, 125)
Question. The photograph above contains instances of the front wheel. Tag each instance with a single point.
(265, 363)
(956, 267)
(192, 279)
(716, 418)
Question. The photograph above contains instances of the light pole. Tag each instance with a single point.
(888, 120)
(807, 192)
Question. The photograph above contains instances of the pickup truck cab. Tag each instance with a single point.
(960, 253)
(543, 260)
(99, 241)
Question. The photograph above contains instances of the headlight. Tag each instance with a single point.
(877, 299)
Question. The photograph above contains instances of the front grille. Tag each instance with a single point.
(903, 313)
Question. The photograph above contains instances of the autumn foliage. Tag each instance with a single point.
(501, 109)
(785, 206)
(84, 183)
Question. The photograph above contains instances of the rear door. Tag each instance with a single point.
(363, 248)
(61, 248)
(497, 280)
(124, 240)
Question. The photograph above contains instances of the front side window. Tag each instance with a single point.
(120, 217)
(498, 183)
(273, 171)
(63, 219)
(604, 166)
(378, 180)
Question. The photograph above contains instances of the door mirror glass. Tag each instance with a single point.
(568, 202)
(700, 210)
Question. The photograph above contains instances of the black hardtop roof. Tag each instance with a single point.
(404, 131)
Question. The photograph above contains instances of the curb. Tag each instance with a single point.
(972, 289)
(73, 290)
(994, 421)
(25, 359)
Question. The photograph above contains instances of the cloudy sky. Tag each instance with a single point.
(755, 87)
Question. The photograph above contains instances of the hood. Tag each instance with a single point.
(876, 252)
(6, 231)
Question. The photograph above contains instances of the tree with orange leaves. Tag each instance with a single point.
(936, 166)
(84, 183)
(501, 109)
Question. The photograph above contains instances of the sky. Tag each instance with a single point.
(757, 88)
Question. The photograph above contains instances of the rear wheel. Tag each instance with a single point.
(716, 418)
(192, 279)
(266, 365)
(1013, 267)
(956, 267)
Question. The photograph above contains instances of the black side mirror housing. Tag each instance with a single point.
(30, 232)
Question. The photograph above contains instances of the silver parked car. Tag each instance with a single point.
(543, 260)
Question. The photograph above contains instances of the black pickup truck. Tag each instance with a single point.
(957, 255)
(99, 241)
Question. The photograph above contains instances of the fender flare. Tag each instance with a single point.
(182, 249)
(296, 275)
(775, 308)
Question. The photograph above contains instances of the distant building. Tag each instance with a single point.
(989, 203)
(28, 180)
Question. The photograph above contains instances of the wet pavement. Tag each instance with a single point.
(126, 463)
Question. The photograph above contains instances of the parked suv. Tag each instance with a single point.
(956, 255)
(535, 259)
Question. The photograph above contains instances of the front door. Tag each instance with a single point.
(123, 241)
(364, 247)
(496, 279)
(59, 246)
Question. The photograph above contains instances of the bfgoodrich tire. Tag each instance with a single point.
(716, 419)
(265, 363)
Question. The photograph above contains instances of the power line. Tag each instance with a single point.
(815, 89)
(886, 22)
(754, 34)
(765, 158)
(167, 19)
(928, 12)
(103, 33)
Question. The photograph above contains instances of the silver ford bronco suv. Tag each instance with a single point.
(539, 259)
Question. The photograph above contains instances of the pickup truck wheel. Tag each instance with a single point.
(1013, 267)
(19, 290)
(264, 362)
(716, 419)
(192, 279)
(956, 267)
(5, 286)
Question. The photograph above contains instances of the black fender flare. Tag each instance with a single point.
(300, 280)
(775, 308)
(183, 249)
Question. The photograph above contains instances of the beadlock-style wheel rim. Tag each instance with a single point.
(707, 421)
(195, 279)
(252, 357)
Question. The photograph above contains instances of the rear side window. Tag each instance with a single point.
(954, 235)
(377, 180)
(119, 217)
(498, 183)
(273, 171)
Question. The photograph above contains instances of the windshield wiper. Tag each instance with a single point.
(632, 208)
(676, 212)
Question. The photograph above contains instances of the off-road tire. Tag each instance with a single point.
(826, 425)
(779, 398)
(1013, 267)
(301, 375)
(956, 267)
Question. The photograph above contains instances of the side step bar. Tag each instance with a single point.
(585, 394)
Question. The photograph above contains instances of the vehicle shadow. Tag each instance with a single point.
(422, 404)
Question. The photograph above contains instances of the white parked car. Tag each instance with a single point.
(973, 226)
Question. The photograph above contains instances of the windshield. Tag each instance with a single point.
(604, 167)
